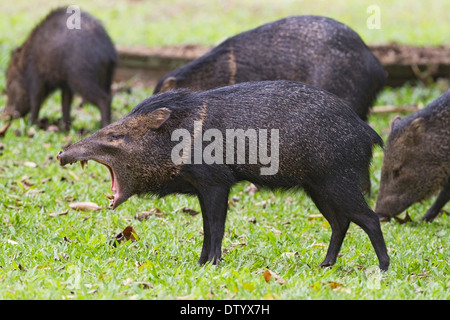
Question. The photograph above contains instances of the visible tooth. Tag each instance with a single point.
(83, 163)
(109, 196)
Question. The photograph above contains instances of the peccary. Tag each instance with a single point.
(54, 57)
(312, 49)
(416, 161)
(316, 142)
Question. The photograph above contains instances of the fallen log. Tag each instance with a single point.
(402, 63)
(388, 109)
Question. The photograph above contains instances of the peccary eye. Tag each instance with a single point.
(116, 136)
(396, 172)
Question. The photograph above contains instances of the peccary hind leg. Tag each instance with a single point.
(339, 226)
(214, 205)
(441, 200)
(370, 223)
(339, 208)
(102, 99)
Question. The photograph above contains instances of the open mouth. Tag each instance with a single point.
(115, 198)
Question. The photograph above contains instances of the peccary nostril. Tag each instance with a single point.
(58, 156)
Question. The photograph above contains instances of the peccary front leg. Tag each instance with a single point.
(441, 200)
(36, 96)
(67, 96)
(214, 205)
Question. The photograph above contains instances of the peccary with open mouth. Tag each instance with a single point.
(178, 142)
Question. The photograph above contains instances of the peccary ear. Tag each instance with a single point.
(395, 122)
(158, 117)
(17, 57)
(168, 84)
(416, 130)
(16, 51)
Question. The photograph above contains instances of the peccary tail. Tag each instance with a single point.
(365, 183)
(377, 140)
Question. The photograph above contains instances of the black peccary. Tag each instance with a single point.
(316, 142)
(416, 161)
(312, 49)
(77, 61)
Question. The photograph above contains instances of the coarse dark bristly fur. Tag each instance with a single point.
(323, 148)
(416, 161)
(312, 49)
(77, 61)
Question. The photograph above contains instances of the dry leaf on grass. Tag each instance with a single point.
(290, 254)
(232, 202)
(190, 211)
(127, 234)
(143, 284)
(315, 216)
(55, 214)
(30, 164)
(237, 244)
(252, 220)
(268, 274)
(130, 234)
(35, 191)
(85, 206)
(144, 215)
(334, 285)
(252, 189)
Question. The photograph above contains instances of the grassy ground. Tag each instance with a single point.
(69, 256)
(156, 23)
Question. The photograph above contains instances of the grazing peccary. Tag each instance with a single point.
(312, 49)
(416, 161)
(77, 61)
(184, 142)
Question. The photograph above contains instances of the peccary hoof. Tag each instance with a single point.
(384, 266)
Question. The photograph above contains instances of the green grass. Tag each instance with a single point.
(169, 22)
(70, 256)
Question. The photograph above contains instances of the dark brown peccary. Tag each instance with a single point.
(416, 161)
(322, 147)
(312, 49)
(77, 61)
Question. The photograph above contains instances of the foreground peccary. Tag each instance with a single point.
(416, 161)
(312, 49)
(54, 57)
(316, 142)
